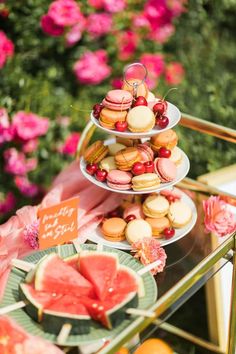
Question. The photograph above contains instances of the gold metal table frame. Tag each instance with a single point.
(201, 269)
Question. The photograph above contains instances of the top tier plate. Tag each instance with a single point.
(172, 113)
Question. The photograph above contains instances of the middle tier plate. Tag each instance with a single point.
(182, 171)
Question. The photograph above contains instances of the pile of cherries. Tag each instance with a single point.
(159, 109)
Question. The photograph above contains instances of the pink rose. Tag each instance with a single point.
(16, 162)
(99, 24)
(155, 66)
(174, 73)
(27, 188)
(75, 33)
(50, 27)
(177, 7)
(127, 44)
(163, 33)
(114, 5)
(30, 146)
(70, 145)
(97, 4)
(218, 218)
(6, 49)
(65, 12)
(117, 83)
(92, 67)
(7, 203)
(6, 131)
(140, 21)
(28, 126)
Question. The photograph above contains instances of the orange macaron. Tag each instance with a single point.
(167, 139)
(96, 152)
(158, 225)
(113, 229)
(108, 118)
(125, 158)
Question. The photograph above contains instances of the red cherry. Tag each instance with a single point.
(121, 126)
(164, 152)
(98, 107)
(162, 122)
(114, 214)
(140, 101)
(170, 198)
(169, 232)
(101, 175)
(138, 168)
(91, 168)
(159, 108)
(149, 166)
(130, 218)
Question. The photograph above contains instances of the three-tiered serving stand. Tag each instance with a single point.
(174, 116)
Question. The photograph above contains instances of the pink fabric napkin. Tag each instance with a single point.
(94, 203)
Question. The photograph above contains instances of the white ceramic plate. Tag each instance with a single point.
(97, 237)
(172, 113)
(182, 171)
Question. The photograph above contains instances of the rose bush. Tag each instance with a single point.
(58, 58)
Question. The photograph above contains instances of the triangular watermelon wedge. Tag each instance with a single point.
(56, 276)
(100, 268)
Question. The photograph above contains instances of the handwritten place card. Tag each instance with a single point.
(58, 224)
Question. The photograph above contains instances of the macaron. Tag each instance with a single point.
(114, 148)
(113, 229)
(174, 192)
(108, 118)
(137, 229)
(145, 152)
(158, 225)
(167, 139)
(119, 180)
(118, 100)
(176, 155)
(145, 182)
(140, 119)
(108, 164)
(150, 97)
(126, 158)
(179, 214)
(165, 169)
(142, 89)
(96, 152)
(128, 142)
(134, 209)
(155, 206)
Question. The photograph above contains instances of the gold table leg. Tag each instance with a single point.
(232, 323)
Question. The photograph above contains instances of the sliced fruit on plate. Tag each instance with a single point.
(56, 276)
(127, 280)
(38, 300)
(73, 261)
(10, 335)
(100, 268)
(111, 311)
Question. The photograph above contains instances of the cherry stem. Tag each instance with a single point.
(79, 110)
(167, 93)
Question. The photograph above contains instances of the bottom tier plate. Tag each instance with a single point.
(97, 236)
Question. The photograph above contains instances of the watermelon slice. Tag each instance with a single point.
(100, 268)
(56, 276)
(68, 304)
(73, 261)
(127, 280)
(10, 335)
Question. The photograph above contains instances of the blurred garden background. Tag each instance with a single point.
(58, 58)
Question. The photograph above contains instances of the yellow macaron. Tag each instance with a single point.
(140, 119)
(146, 181)
(156, 206)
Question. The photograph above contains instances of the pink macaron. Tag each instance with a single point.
(174, 193)
(119, 180)
(165, 169)
(134, 209)
(118, 100)
(145, 152)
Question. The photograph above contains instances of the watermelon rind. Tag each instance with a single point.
(31, 274)
(117, 314)
(39, 274)
(52, 321)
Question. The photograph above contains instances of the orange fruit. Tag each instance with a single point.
(123, 350)
(154, 346)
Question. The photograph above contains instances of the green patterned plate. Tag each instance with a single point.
(97, 332)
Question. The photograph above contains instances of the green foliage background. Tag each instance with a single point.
(40, 78)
